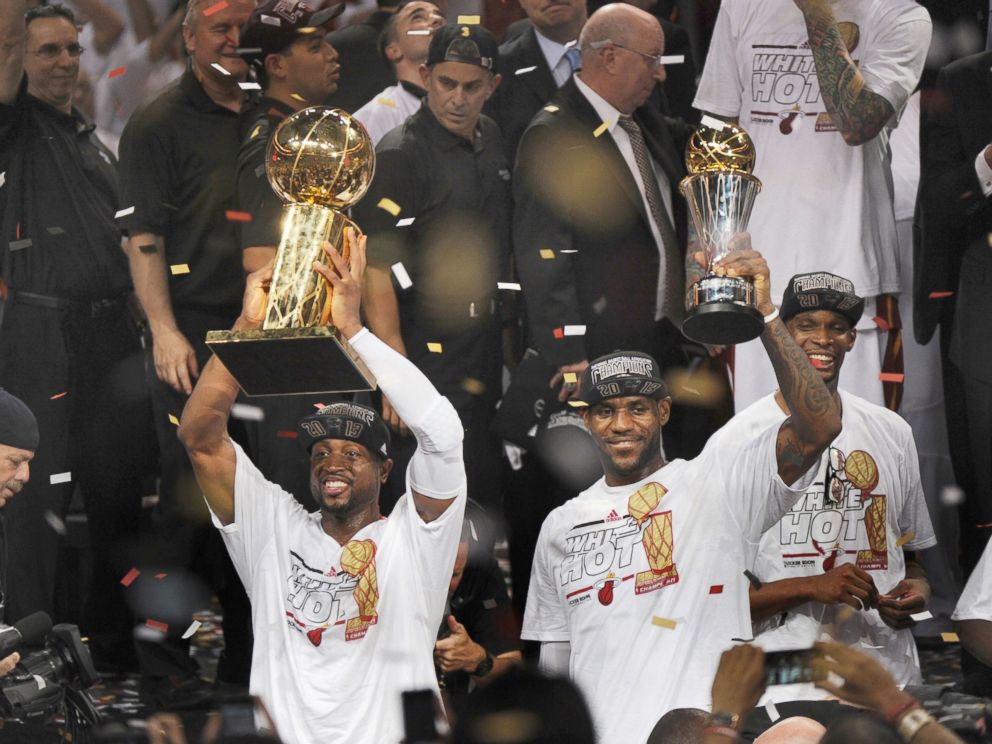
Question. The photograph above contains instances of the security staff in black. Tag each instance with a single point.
(178, 157)
(69, 347)
(438, 218)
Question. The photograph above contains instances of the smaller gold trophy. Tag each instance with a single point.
(319, 160)
(720, 191)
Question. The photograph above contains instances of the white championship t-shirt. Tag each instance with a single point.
(874, 498)
(976, 599)
(340, 631)
(646, 581)
(824, 205)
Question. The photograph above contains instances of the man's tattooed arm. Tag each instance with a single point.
(858, 112)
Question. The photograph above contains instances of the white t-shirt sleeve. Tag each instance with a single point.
(914, 516)
(892, 61)
(984, 173)
(544, 616)
(976, 599)
(720, 88)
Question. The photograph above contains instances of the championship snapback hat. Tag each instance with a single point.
(821, 290)
(472, 45)
(275, 24)
(351, 421)
(620, 374)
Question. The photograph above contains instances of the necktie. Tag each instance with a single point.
(574, 57)
(672, 300)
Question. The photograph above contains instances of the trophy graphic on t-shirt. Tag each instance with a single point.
(720, 191)
(319, 161)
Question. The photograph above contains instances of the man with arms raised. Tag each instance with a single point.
(345, 604)
(637, 586)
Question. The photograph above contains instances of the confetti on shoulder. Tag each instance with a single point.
(215, 8)
(525, 70)
(116, 72)
(390, 206)
(387, 102)
(508, 285)
(178, 269)
(123, 212)
(663, 622)
(598, 132)
(191, 630)
(57, 478)
(469, 20)
(434, 347)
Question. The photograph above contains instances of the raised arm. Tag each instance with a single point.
(203, 427)
(437, 470)
(814, 420)
(858, 112)
(12, 41)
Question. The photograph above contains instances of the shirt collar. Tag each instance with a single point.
(197, 96)
(445, 139)
(605, 110)
(413, 90)
(552, 50)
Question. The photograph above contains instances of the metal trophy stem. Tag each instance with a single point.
(318, 159)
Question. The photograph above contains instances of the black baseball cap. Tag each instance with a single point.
(351, 421)
(620, 374)
(275, 24)
(821, 290)
(18, 426)
(472, 45)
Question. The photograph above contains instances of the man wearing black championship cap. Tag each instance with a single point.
(345, 604)
(637, 584)
(848, 542)
(18, 442)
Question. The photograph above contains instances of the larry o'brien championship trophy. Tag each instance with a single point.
(319, 160)
(720, 191)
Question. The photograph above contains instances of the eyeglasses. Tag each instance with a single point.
(54, 51)
(654, 60)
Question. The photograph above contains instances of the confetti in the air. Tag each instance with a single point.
(59, 395)
(712, 122)
(157, 625)
(405, 222)
(173, 420)
(390, 206)
(772, 711)
(434, 347)
(951, 496)
(525, 70)
(473, 386)
(178, 269)
(123, 212)
(508, 285)
(673, 59)
(3, 178)
(908, 537)
(191, 630)
(116, 72)
(215, 8)
(16, 245)
(547, 253)
(891, 376)
(220, 69)
(575, 330)
(55, 230)
(233, 216)
(249, 85)
(578, 404)
(940, 295)
(716, 589)
(419, 32)
(57, 478)
(950, 637)
(570, 377)
(402, 277)
(663, 622)
(130, 576)
(469, 20)
(600, 130)
(921, 616)
(55, 522)
(270, 20)
(550, 108)
(246, 412)
(287, 434)
(881, 322)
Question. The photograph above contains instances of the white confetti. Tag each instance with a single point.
(55, 522)
(191, 630)
(3, 178)
(40, 681)
(220, 69)
(405, 222)
(673, 59)
(249, 85)
(271, 20)
(123, 212)
(525, 70)
(247, 413)
(508, 285)
(399, 271)
(951, 496)
(60, 478)
(712, 123)
(575, 330)
(773, 714)
(419, 32)
(921, 616)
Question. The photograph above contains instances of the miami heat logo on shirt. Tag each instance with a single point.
(609, 546)
(320, 600)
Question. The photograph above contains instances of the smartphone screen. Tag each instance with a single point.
(418, 717)
(789, 667)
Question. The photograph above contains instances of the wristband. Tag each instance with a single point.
(896, 712)
(911, 723)
(771, 316)
(722, 731)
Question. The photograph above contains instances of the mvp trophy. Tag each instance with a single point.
(319, 160)
(720, 191)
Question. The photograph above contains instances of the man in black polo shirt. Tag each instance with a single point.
(437, 216)
(69, 347)
(178, 154)
(297, 68)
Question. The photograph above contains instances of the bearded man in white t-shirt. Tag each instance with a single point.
(637, 583)
(345, 603)
(840, 565)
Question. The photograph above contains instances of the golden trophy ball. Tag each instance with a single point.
(720, 191)
(319, 161)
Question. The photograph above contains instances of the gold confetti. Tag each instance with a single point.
(547, 253)
(598, 132)
(297, 97)
(434, 347)
(173, 420)
(390, 206)
(255, 132)
(908, 537)
(473, 386)
(387, 102)
(570, 377)
(950, 637)
(578, 404)
(469, 20)
(663, 622)
(178, 269)
(550, 108)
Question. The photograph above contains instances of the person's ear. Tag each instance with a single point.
(384, 470)
(664, 410)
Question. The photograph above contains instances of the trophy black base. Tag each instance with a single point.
(722, 312)
(291, 361)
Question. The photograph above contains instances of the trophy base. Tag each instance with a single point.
(291, 361)
(722, 312)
